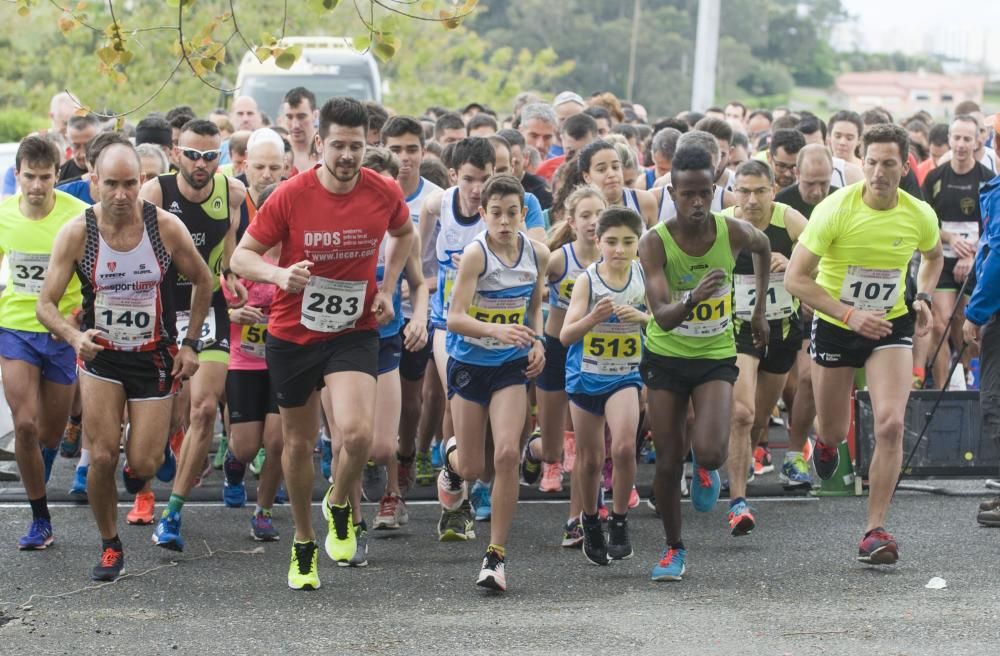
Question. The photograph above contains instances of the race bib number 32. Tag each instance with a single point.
(330, 306)
(871, 290)
(27, 272)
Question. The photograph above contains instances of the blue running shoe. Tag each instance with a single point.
(326, 459)
(795, 472)
(671, 565)
(480, 498)
(281, 496)
(48, 457)
(168, 532)
(168, 469)
(39, 536)
(79, 489)
(437, 457)
(234, 496)
(705, 488)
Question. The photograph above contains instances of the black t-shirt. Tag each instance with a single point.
(70, 171)
(955, 199)
(792, 197)
(536, 185)
(910, 185)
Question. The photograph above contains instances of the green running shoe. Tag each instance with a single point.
(303, 571)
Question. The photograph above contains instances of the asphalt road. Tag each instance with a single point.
(792, 587)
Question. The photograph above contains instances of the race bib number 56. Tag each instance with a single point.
(330, 306)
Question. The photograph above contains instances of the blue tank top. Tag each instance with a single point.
(607, 358)
(392, 328)
(561, 289)
(502, 296)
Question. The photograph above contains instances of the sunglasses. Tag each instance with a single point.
(194, 154)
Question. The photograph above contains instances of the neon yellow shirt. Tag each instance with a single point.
(865, 252)
(27, 244)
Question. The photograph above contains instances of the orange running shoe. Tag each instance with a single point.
(142, 510)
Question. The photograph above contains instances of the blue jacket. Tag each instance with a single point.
(985, 301)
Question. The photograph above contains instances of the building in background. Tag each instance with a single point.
(905, 93)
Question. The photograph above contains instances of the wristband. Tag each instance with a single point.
(847, 315)
(76, 312)
(926, 298)
(227, 272)
(540, 339)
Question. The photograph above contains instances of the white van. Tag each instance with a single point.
(328, 66)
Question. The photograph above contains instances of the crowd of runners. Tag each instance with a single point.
(479, 302)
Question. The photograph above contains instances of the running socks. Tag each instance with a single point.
(497, 549)
(40, 508)
(174, 504)
(737, 500)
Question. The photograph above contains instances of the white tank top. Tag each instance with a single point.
(453, 236)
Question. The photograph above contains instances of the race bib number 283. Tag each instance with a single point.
(330, 306)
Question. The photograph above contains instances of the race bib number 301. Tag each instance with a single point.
(330, 306)
(871, 290)
(779, 301)
(27, 272)
(710, 317)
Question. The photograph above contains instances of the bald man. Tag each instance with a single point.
(244, 115)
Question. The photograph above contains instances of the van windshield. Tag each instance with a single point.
(269, 90)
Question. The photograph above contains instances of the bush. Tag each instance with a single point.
(16, 124)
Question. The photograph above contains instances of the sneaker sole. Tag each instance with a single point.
(491, 583)
(881, 556)
(572, 544)
(270, 538)
(625, 557)
(305, 586)
(744, 527)
(171, 545)
(33, 547)
(386, 525)
(789, 484)
(347, 563)
(595, 562)
(988, 522)
(452, 536)
(138, 522)
(669, 577)
(105, 579)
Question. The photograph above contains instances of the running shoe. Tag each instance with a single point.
(569, 451)
(168, 532)
(391, 513)
(220, 453)
(595, 547)
(670, 566)
(326, 460)
(373, 481)
(795, 472)
(467, 518)
(456, 525)
(425, 470)
(827, 459)
(234, 496)
(281, 495)
(633, 498)
(705, 488)
(257, 464)
(619, 542)
(878, 547)
(762, 463)
(303, 571)
(39, 536)
(531, 469)
(450, 486)
(168, 469)
(341, 541)
(573, 533)
(142, 509)
(262, 528)
(111, 564)
(79, 489)
(552, 475)
(989, 512)
(492, 574)
(133, 484)
(741, 520)
(360, 557)
(437, 458)
(651, 501)
(405, 475)
(481, 500)
(70, 445)
(48, 459)
(602, 508)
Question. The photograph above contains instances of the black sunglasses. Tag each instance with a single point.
(194, 154)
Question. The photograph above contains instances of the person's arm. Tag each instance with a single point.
(415, 333)
(667, 313)
(728, 199)
(744, 236)
(578, 321)
(650, 209)
(536, 322)
(152, 192)
(534, 222)
(237, 196)
(557, 265)
(852, 173)
(66, 250)
(430, 213)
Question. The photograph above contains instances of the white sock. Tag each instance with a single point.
(84, 458)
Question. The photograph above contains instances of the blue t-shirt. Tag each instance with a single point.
(9, 182)
(78, 189)
(534, 219)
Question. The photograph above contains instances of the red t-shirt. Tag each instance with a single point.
(548, 168)
(340, 234)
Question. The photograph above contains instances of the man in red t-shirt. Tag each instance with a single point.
(322, 330)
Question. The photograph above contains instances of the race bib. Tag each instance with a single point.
(27, 272)
(871, 290)
(252, 339)
(612, 349)
(964, 230)
(127, 324)
(708, 318)
(450, 275)
(330, 306)
(207, 328)
(779, 301)
(495, 310)
(565, 292)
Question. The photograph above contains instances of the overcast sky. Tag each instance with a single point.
(925, 14)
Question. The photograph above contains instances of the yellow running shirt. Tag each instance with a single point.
(26, 245)
(865, 252)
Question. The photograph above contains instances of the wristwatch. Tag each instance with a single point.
(195, 345)
(925, 297)
(688, 300)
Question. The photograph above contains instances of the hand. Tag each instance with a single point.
(382, 307)
(759, 327)
(924, 318)
(869, 324)
(962, 248)
(185, 363)
(628, 314)
(778, 262)
(536, 360)
(236, 291)
(85, 346)
(512, 334)
(415, 336)
(295, 278)
(602, 310)
(247, 315)
(971, 332)
(962, 269)
(708, 285)
(455, 259)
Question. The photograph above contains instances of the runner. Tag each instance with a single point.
(781, 155)
(690, 351)
(539, 125)
(573, 245)
(124, 251)
(763, 371)
(600, 165)
(322, 327)
(209, 204)
(449, 128)
(494, 347)
(38, 370)
(603, 331)
(860, 240)
(301, 114)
